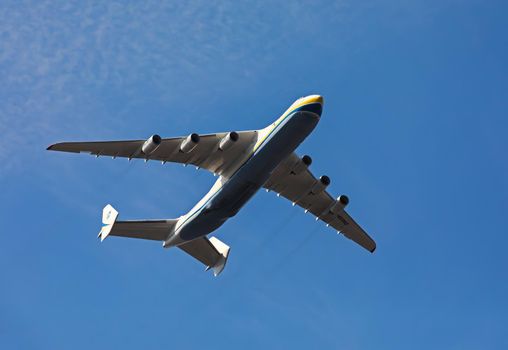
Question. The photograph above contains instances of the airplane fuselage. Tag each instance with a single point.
(230, 194)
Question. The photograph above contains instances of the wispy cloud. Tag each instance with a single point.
(58, 58)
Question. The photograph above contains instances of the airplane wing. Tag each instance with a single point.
(292, 180)
(214, 152)
(211, 252)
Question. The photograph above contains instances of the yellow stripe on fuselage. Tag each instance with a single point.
(299, 103)
(264, 133)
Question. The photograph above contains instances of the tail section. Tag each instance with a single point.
(211, 252)
(109, 215)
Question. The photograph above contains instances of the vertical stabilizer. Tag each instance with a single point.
(109, 215)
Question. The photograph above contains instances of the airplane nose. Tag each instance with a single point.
(316, 99)
(314, 104)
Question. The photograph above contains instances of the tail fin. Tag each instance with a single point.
(109, 215)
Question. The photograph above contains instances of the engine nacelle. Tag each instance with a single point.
(341, 202)
(151, 144)
(301, 165)
(189, 143)
(228, 141)
(320, 185)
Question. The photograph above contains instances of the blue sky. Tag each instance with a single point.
(413, 131)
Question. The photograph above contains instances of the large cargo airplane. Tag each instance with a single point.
(244, 162)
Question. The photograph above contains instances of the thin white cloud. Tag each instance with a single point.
(55, 58)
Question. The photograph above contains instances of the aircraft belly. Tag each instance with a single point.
(240, 188)
(252, 175)
(283, 143)
(201, 225)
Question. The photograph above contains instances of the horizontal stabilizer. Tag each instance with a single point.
(223, 250)
(211, 252)
(157, 230)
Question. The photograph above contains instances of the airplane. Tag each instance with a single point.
(244, 162)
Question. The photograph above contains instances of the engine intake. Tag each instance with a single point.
(320, 185)
(341, 202)
(151, 144)
(189, 143)
(307, 160)
(301, 165)
(228, 141)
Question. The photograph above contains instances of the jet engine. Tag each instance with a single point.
(228, 140)
(341, 202)
(151, 144)
(320, 185)
(189, 143)
(301, 165)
